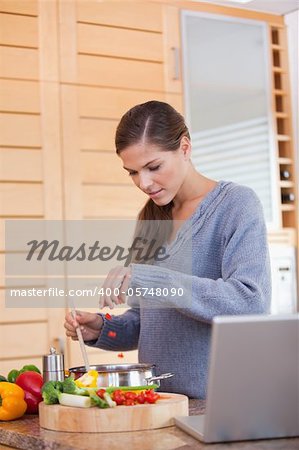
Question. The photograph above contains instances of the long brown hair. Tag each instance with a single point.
(159, 124)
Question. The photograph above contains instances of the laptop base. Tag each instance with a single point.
(193, 425)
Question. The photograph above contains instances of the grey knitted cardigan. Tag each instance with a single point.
(230, 276)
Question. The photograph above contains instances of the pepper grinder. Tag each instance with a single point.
(53, 366)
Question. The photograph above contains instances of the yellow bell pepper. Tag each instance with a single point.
(12, 403)
(89, 379)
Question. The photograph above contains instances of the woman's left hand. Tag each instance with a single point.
(118, 279)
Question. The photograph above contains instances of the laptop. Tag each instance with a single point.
(253, 381)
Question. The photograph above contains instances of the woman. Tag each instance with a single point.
(224, 271)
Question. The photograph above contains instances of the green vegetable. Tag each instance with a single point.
(97, 401)
(69, 394)
(30, 368)
(111, 389)
(51, 392)
(69, 387)
(109, 400)
(78, 401)
(2, 378)
(13, 375)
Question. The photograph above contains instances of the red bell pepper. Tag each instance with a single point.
(31, 382)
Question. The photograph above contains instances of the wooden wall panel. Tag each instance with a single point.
(103, 167)
(113, 103)
(112, 201)
(124, 43)
(67, 32)
(20, 165)
(10, 315)
(2, 271)
(2, 228)
(71, 154)
(123, 73)
(172, 44)
(29, 7)
(19, 63)
(18, 30)
(18, 280)
(20, 130)
(9, 364)
(19, 96)
(23, 340)
(24, 283)
(96, 134)
(2, 235)
(20, 199)
(51, 125)
(137, 15)
(175, 100)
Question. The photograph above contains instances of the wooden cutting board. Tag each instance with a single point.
(120, 418)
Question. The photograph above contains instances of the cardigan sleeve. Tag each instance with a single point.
(120, 333)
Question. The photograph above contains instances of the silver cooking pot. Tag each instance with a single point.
(124, 374)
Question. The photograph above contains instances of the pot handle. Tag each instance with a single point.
(158, 378)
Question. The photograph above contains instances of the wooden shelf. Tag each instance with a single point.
(283, 138)
(279, 92)
(285, 161)
(286, 184)
(278, 69)
(277, 47)
(287, 208)
(276, 26)
(281, 115)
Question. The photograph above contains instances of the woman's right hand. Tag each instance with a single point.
(90, 324)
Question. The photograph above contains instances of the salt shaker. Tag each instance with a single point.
(53, 366)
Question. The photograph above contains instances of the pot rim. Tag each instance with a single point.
(110, 368)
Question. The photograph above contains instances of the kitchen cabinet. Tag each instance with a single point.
(30, 174)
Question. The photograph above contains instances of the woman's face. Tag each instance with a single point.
(158, 173)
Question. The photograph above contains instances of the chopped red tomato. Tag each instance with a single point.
(141, 398)
(130, 398)
(118, 397)
(151, 396)
(130, 395)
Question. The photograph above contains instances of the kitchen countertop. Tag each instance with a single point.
(26, 434)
